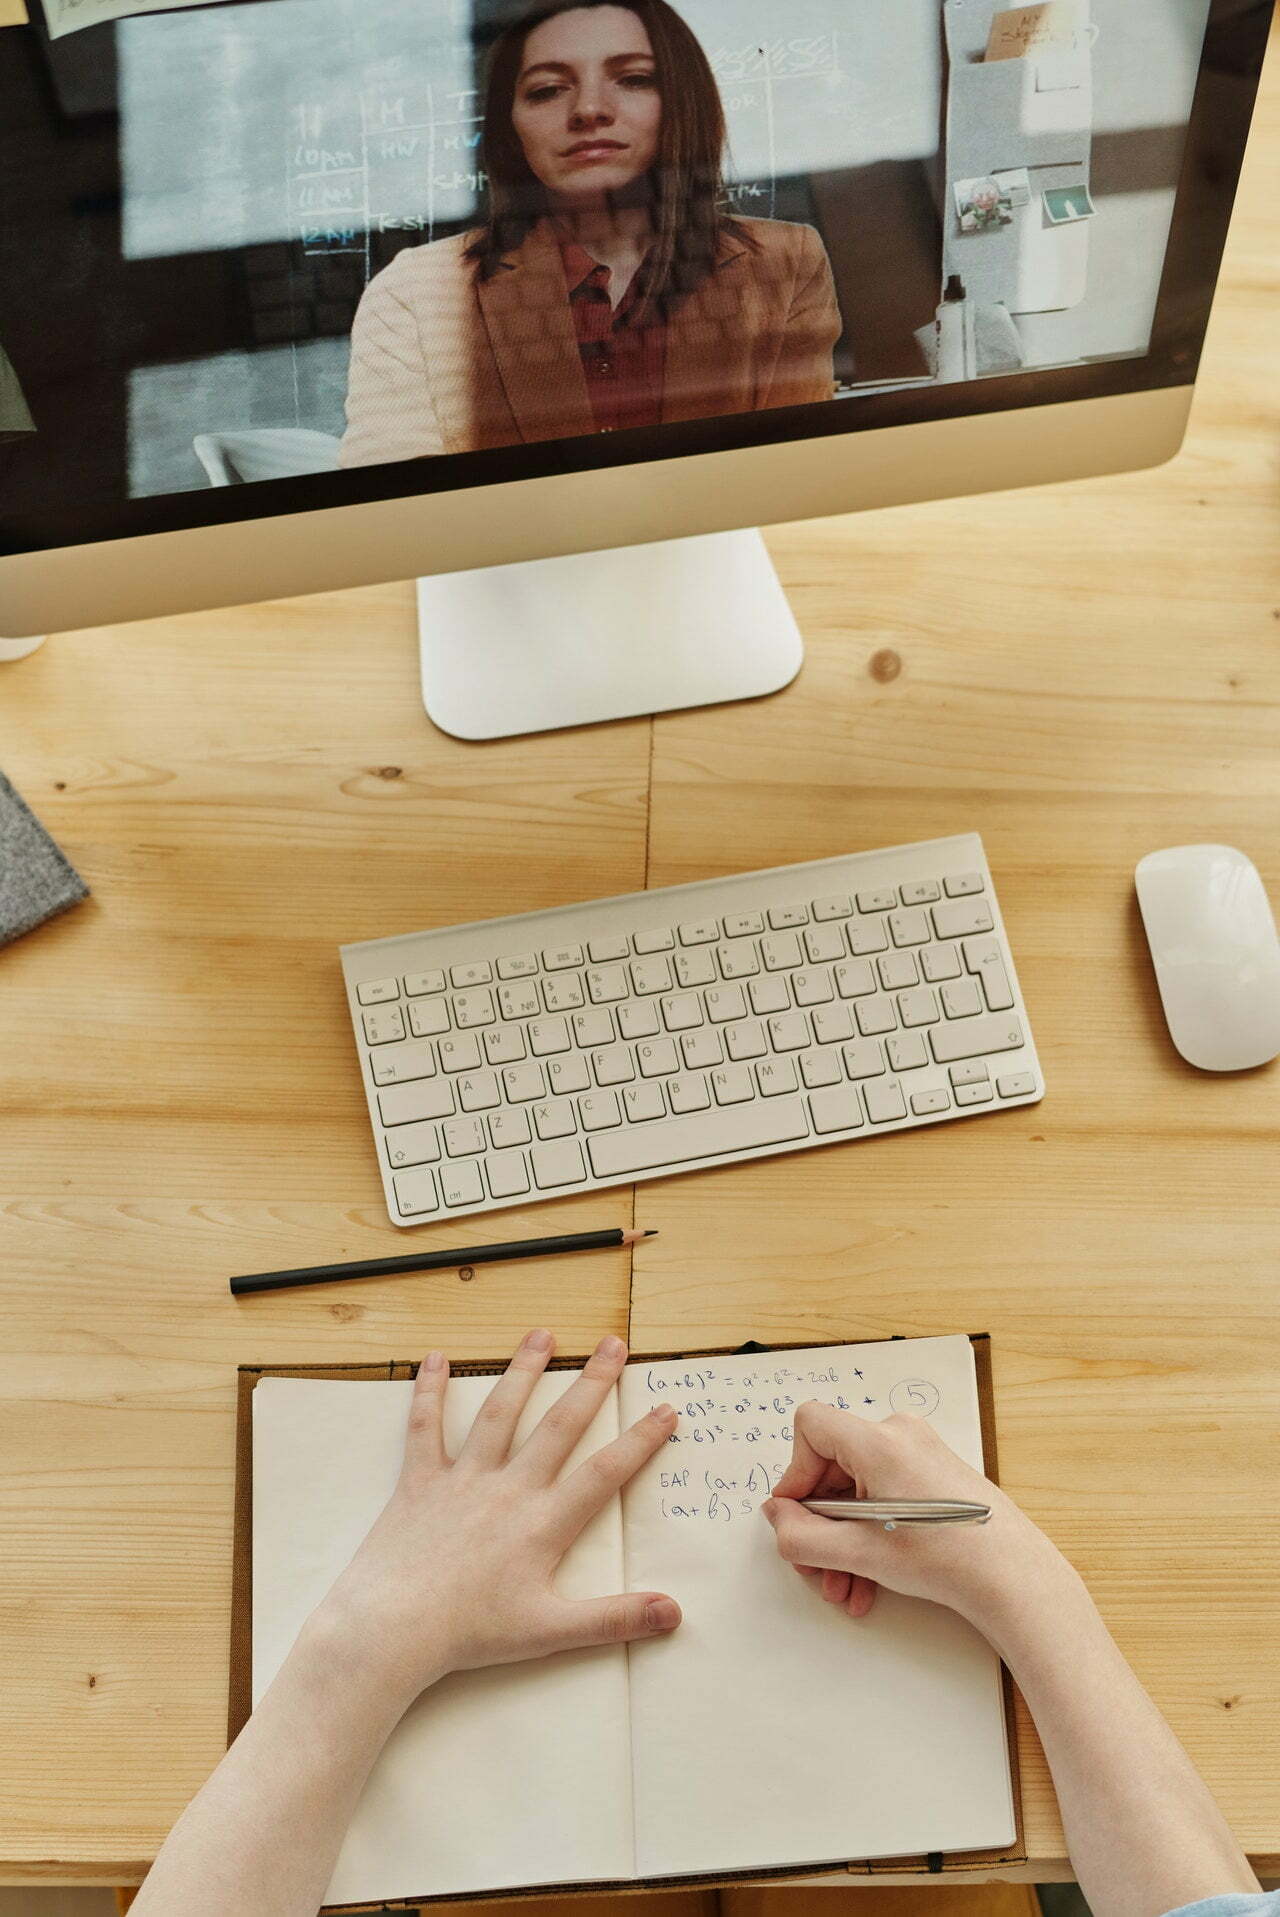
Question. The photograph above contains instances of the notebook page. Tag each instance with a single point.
(520, 1774)
(771, 1728)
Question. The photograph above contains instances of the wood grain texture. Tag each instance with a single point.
(1082, 673)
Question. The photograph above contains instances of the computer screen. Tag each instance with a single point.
(262, 256)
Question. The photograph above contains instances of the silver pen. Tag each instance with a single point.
(892, 1512)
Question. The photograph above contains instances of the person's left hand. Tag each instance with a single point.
(457, 1571)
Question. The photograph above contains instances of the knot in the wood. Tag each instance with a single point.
(885, 665)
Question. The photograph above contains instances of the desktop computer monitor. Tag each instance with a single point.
(301, 294)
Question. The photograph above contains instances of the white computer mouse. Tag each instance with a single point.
(1217, 957)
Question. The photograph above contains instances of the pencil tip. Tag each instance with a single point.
(651, 1234)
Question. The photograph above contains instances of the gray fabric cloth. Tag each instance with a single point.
(1233, 1903)
(36, 881)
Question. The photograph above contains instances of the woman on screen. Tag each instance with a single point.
(608, 288)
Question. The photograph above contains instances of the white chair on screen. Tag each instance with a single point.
(277, 452)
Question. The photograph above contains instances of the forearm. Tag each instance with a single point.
(1143, 1833)
(263, 1834)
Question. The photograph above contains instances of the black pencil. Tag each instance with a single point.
(437, 1260)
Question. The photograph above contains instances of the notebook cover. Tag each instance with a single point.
(240, 1691)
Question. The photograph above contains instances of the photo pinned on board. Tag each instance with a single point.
(1065, 203)
(982, 205)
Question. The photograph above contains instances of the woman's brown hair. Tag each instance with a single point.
(687, 185)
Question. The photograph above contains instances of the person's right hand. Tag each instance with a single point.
(976, 1569)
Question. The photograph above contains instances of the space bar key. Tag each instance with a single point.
(674, 1141)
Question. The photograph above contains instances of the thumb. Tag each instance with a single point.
(614, 1620)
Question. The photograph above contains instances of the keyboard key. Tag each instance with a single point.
(769, 995)
(650, 975)
(643, 1102)
(725, 1002)
(832, 1024)
(838, 906)
(687, 1092)
(918, 892)
(918, 1008)
(884, 1101)
(593, 1028)
(384, 1026)
(812, 988)
(613, 1065)
(519, 1000)
(985, 959)
(504, 1044)
(378, 991)
(836, 1110)
(746, 1040)
(940, 961)
(461, 1183)
(863, 1058)
(781, 917)
(960, 918)
(970, 1037)
(399, 1063)
(639, 1019)
(607, 951)
(732, 1085)
(743, 925)
(461, 976)
(740, 960)
(412, 1145)
(606, 983)
(1016, 1085)
(547, 1035)
(478, 1091)
(922, 1103)
(422, 984)
(875, 1015)
(855, 978)
(907, 1052)
(974, 1095)
(961, 884)
(558, 1119)
(405, 1104)
(415, 1193)
(700, 932)
(508, 1176)
(820, 1068)
(562, 958)
(521, 1082)
(701, 1049)
(824, 944)
(960, 998)
(559, 1164)
(523, 965)
(972, 1073)
(780, 951)
(882, 901)
(657, 1057)
(463, 1136)
(897, 969)
(682, 1013)
(429, 1018)
(568, 1073)
(659, 938)
(599, 1110)
(460, 1054)
(696, 968)
(473, 1008)
(562, 992)
(909, 928)
(789, 1032)
(508, 1128)
(867, 935)
(739, 1128)
(776, 1075)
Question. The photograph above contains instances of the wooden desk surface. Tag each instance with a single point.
(1082, 673)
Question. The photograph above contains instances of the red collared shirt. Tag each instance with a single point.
(624, 364)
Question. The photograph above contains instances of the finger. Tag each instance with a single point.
(826, 1543)
(489, 1439)
(602, 1475)
(424, 1439)
(577, 1625)
(836, 1586)
(862, 1596)
(822, 1437)
(563, 1424)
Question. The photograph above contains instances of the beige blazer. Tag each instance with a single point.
(443, 364)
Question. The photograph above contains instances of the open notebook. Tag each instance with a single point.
(769, 1731)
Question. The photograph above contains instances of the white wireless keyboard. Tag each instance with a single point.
(660, 1032)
